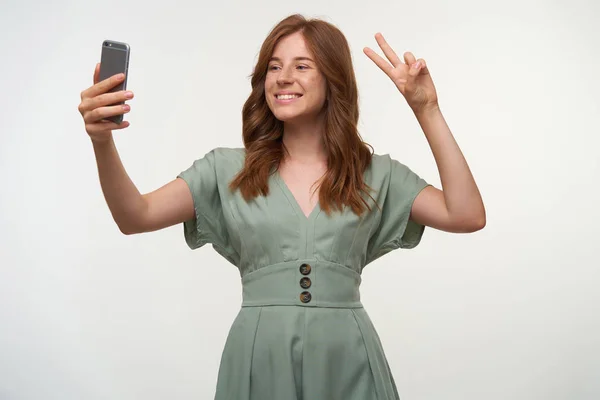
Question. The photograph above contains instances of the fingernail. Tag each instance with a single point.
(417, 64)
(129, 95)
(126, 107)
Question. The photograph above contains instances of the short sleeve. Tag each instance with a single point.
(209, 225)
(395, 229)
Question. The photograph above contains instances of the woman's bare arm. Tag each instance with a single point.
(132, 211)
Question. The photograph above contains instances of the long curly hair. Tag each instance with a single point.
(347, 155)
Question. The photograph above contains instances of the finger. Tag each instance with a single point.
(379, 61)
(409, 58)
(417, 68)
(101, 113)
(106, 99)
(96, 73)
(424, 69)
(387, 50)
(110, 98)
(103, 86)
(104, 126)
(122, 125)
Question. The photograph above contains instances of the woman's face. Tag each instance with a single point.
(295, 89)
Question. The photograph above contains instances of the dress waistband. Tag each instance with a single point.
(306, 282)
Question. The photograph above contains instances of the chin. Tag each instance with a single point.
(287, 116)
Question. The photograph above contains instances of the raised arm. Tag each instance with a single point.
(132, 211)
(458, 207)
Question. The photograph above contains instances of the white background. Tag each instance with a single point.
(510, 312)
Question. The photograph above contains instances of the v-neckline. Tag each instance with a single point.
(292, 199)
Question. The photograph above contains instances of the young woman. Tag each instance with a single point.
(300, 210)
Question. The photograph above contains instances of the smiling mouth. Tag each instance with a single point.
(287, 96)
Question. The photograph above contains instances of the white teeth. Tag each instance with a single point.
(287, 96)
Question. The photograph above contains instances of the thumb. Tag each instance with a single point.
(424, 69)
(416, 67)
(96, 73)
(413, 72)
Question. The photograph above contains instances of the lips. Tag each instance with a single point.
(289, 99)
(295, 95)
(287, 93)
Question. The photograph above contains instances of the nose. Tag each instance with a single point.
(284, 77)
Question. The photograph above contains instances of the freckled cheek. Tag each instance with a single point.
(268, 90)
(313, 84)
(313, 81)
(317, 84)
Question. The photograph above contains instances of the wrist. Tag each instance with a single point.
(429, 111)
(102, 141)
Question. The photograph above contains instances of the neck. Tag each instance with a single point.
(304, 141)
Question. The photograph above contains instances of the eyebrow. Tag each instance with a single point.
(295, 59)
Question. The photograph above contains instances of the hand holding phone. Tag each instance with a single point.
(115, 60)
(103, 104)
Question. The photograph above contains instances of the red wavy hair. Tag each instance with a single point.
(347, 155)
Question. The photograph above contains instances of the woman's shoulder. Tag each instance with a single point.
(230, 153)
(228, 158)
(378, 160)
(384, 168)
(380, 165)
(385, 163)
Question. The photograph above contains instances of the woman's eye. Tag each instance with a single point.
(301, 67)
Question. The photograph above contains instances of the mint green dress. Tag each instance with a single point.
(302, 332)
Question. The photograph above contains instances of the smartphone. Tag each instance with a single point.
(114, 60)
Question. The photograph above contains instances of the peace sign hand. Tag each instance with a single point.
(412, 77)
